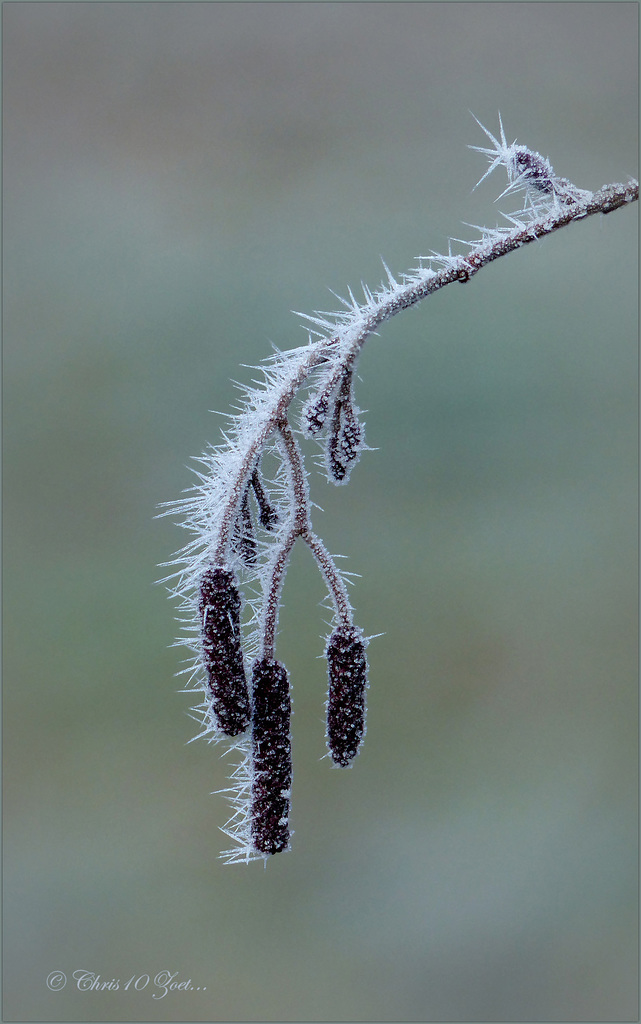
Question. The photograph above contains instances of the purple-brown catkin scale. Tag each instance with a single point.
(219, 608)
(272, 757)
(347, 669)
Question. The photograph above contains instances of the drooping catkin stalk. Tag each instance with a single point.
(272, 757)
(219, 608)
(347, 670)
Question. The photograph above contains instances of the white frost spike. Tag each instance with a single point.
(391, 279)
(499, 155)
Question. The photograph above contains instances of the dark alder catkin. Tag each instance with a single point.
(219, 608)
(272, 757)
(347, 670)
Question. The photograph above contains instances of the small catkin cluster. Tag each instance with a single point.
(268, 710)
(244, 538)
(219, 608)
(347, 670)
(272, 757)
(345, 434)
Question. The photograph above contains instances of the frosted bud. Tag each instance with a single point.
(344, 443)
(533, 168)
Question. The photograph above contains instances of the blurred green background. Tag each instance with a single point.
(178, 177)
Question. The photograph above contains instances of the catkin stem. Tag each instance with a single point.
(300, 526)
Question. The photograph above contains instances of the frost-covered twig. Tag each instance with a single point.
(244, 524)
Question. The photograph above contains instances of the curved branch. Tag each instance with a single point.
(346, 343)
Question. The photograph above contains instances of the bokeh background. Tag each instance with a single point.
(178, 177)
